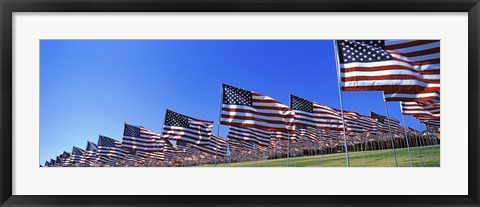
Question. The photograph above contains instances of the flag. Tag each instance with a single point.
(216, 145)
(185, 128)
(52, 163)
(421, 108)
(404, 69)
(90, 154)
(109, 149)
(358, 123)
(244, 108)
(384, 122)
(66, 159)
(284, 136)
(315, 115)
(77, 155)
(307, 133)
(253, 135)
(430, 122)
(140, 138)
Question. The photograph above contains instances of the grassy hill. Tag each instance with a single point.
(421, 157)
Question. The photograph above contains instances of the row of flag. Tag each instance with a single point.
(406, 71)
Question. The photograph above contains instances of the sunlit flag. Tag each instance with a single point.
(421, 108)
(253, 135)
(216, 145)
(384, 122)
(244, 108)
(90, 154)
(140, 138)
(307, 133)
(406, 70)
(185, 128)
(312, 114)
(109, 149)
(77, 155)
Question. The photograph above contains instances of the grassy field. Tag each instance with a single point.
(421, 157)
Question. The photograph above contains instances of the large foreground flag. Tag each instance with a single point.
(312, 114)
(422, 108)
(244, 108)
(140, 138)
(404, 69)
(187, 129)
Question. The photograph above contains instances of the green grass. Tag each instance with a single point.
(421, 157)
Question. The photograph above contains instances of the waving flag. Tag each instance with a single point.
(384, 122)
(257, 136)
(309, 113)
(307, 133)
(77, 155)
(244, 108)
(109, 149)
(422, 108)
(140, 138)
(187, 129)
(216, 145)
(90, 154)
(393, 65)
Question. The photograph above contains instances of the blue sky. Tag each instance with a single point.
(91, 87)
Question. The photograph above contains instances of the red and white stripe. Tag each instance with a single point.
(253, 135)
(265, 113)
(423, 108)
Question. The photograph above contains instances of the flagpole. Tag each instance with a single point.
(347, 161)
(218, 125)
(406, 136)
(390, 130)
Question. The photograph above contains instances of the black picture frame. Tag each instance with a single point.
(9, 6)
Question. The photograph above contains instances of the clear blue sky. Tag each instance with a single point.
(91, 87)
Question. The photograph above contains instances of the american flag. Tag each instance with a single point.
(421, 108)
(185, 128)
(151, 155)
(284, 136)
(90, 154)
(52, 163)
(406, 70)
(430, 122)
(257, 136)
(315, 115)
(330, 134)
(47, 164)
(384, 122)
(109, 149)
(140, 138)
(358, 123)
(66, 159)
(307, 133)
(133, 156)
(244, 108)
(216, 145)
(77, 155)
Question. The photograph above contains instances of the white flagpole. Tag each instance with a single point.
(406, 136)
(218, 125)
(347, 161)
(390, 130)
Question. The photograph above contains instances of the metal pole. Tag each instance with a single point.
(390, 130)
(218, 125)
(347, 161)
(406, 136)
